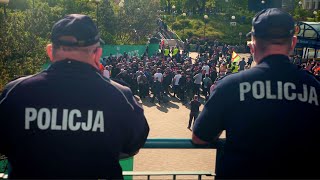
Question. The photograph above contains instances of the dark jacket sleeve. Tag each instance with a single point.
(4, 113)
(3, 119)
(137, 126)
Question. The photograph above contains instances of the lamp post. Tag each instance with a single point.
(205, 17)
(240, 35)
(315, 15)
(263, 4)
(184, 16)
(4, 2)
(300, 5)
(226, 9)
(174, 12)
(233, 24)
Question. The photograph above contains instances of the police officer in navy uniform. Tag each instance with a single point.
(69, 121)
(280, 136)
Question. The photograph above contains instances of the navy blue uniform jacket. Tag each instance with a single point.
(69, 122)
(271, 117)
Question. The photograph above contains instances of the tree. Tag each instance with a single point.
(131, 23)
(18, 4)
(25, 31)
(23, 37)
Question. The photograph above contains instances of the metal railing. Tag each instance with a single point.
(171, 143)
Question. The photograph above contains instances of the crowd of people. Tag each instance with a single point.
(171, 72)
(311, 65)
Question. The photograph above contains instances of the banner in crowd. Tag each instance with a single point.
(118, 50)
(235, 57)
(131, 50)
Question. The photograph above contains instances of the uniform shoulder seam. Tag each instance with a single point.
(124, 96)
(15, 84)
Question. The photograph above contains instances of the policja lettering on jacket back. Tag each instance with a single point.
(262, 90)
(45, 118)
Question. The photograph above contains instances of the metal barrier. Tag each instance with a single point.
(170, 143)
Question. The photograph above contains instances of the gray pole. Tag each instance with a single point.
(4, 11)
(97, 13)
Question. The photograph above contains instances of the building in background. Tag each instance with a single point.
(288, 5)
(308, 45)
(310, 4)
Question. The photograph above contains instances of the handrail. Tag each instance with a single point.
(174, 143)
(181, 143)
(162, 37)
(174, 33)
(177, 39)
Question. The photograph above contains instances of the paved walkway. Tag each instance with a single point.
(170, 121)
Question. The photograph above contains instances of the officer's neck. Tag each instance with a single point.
(260, 55)
(84, 59)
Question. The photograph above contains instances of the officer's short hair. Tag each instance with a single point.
(263, 44)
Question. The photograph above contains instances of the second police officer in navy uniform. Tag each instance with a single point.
(279, 137)
(69, 121)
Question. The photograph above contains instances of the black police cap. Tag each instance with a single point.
(272, 23)
(81, 27)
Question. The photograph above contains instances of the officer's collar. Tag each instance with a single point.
(71, 64)
(275, 58)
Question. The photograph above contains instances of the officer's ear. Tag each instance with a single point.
(49, 51)
(98, 54)
(293, 43)
(251, 46)
(96, 57)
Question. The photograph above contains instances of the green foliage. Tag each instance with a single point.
(23, 38)
(185, 23)
(187, 5)
(217, 27)
(18, 4)
(218, 24)
(139, 19)
(25, 31)
(300, 14)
